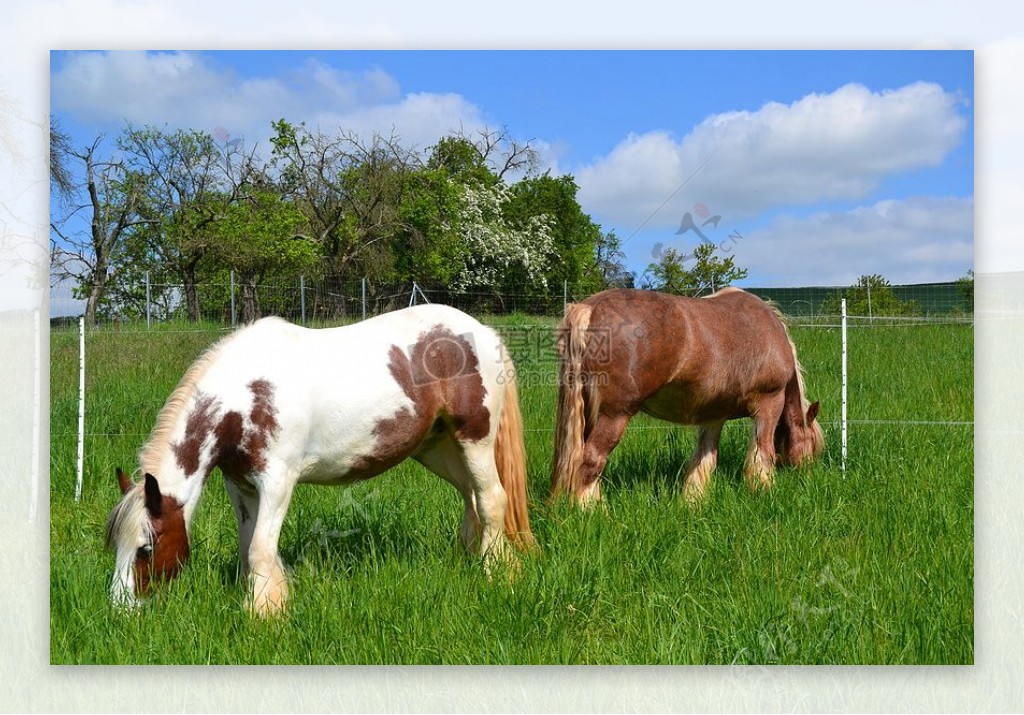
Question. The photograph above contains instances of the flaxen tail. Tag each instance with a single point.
(576, 407)
(510, 458)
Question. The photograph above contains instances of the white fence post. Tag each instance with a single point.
(81, 407)
(843, 429)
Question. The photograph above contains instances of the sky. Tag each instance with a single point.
(820, 166)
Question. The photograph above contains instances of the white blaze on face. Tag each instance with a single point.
(122, 587)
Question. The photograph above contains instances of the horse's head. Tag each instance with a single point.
(147, 531)
(799, 440)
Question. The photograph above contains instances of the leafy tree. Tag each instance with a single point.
(260, 235)
(609, 263)
(349, 189)
(492, 245)
(706, 274)
(574, 235)
(871, 295)
(185, 191)
(488, 156)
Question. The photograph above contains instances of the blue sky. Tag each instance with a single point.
(828, 164)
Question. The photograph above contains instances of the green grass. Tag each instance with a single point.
(872, 567)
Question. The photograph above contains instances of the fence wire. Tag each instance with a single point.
(326, 302)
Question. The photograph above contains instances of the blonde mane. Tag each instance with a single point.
(804, 404)
(127, 521)
(155, 450)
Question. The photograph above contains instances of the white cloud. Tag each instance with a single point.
(187, 89)
(821, 147)
(915, 240)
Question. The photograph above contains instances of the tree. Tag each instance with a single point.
(259, 235)
(706, 274)
(872, 295)
(574, 235)
(488, 156)
(609, 263)
(90, 257)
(185, 190)
(349, 189)
(493, 246)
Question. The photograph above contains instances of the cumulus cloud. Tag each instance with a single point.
(914, 240)
(820, 147)
(188, 89)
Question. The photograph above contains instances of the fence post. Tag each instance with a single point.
(148, 324)
(843, 428)
(232, 299)
(364, 296)
(871, 318)
(81, 407)
(302, 297)
(565, 295)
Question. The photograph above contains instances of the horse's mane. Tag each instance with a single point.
(127, 520)
(785, 326)
(155, 449)
(792, 346)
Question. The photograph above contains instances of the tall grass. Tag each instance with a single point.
(871, 566)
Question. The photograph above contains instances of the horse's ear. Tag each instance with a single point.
(123, 481)
(812, 412)
(154, 501)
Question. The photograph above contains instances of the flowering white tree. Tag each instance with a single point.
(493, 246)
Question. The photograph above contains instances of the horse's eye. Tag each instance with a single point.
(144, 552)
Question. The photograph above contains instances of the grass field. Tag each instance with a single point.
(876, 566)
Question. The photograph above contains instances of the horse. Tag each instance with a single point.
(275, 404)
(693, 361)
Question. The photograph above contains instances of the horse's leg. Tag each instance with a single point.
(489, 498)
(759, 467)
(703, 462)
(246, 502)
(445, 460)
(267, 577)
(603, 438)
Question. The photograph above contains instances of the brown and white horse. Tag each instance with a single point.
(275, 404)
(695, 361)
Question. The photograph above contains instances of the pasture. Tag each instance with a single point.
(874, 567)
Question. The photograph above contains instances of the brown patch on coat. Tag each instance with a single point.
(170, 547)
(197, 428)
(263, 418)
(441, 376)
(237, 450)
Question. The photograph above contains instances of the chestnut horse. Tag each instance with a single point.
(275, 404)
(694, 361)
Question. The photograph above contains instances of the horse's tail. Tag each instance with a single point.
(510, 458)
(577, 407)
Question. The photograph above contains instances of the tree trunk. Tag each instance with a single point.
(192, 299)
(250, 299)
(191, 292)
